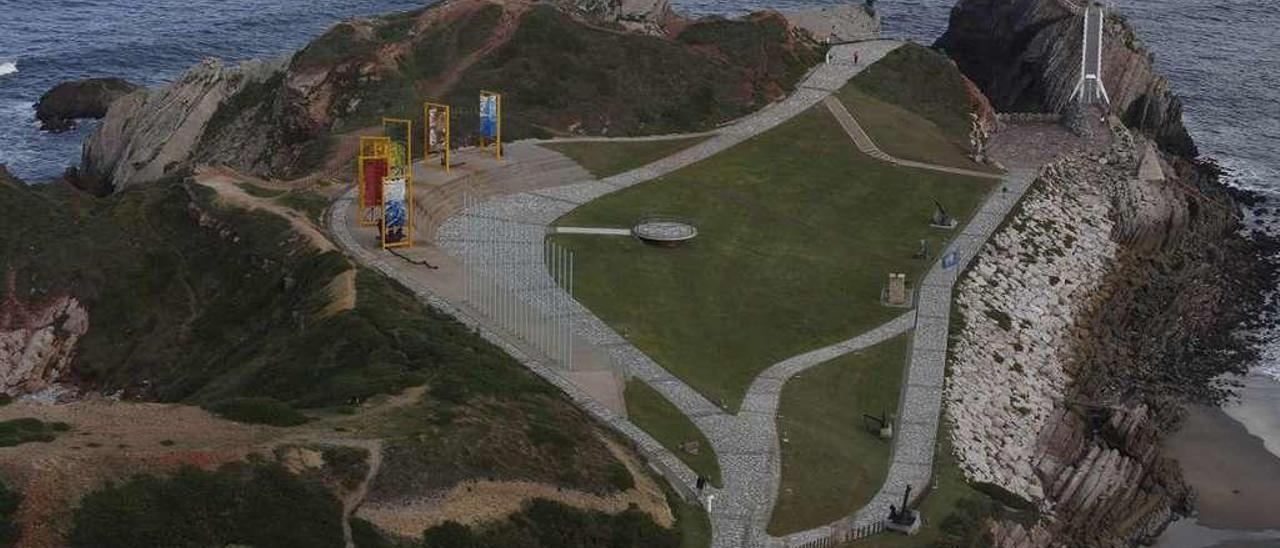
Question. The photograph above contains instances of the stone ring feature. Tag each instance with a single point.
(668, 231)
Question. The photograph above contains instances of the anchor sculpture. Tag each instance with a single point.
(906, 520)
(942, 219)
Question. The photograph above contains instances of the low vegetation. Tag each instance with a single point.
(27, 430)
(528, 435)
(258, 411)
(607, 158)
(797, 231)
(833, 459)
(252, 504)
(546, 524)
(657, 416)
(10, 531)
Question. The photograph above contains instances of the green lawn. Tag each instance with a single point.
(692, 523)
(657, 416)
(914, 105)
(903, 134)
(832, 462)
(604, 159)
(797, 233)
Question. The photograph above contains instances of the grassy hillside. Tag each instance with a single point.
(559, 75)
(192, 301)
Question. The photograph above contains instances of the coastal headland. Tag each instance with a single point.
(197, 313)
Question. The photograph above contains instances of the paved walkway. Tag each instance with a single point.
(746, 444)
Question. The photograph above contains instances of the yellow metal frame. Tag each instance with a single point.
(371, 148)
(408, 144)
(408, 220)
(498, 109)
(426, 133)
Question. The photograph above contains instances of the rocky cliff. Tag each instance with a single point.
(150, 133)
(604, 67)
(1025, 55)
(37, 339)
(1109, 300)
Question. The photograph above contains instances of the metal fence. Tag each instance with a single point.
(531, 301)
(841, 536)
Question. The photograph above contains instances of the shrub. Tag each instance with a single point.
(27, 430)
(10, 532)
(249, 504)
(547, 524)
(620, 477)
(258, 411)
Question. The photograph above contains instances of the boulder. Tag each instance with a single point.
(60, 107)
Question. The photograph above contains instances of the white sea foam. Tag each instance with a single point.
(8, 67)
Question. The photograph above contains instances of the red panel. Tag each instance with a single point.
(374, 171)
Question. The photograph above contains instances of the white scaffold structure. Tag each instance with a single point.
(1090, 89)
(533, 307)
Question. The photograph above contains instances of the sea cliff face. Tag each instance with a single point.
(148, 134)
(1025, 55)
(1110, 299)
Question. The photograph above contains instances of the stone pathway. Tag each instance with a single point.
(746, 444)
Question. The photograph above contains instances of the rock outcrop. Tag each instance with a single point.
(1107, 302)
(148, 134)
(37, 339)
(60, 107)
(1025, 55)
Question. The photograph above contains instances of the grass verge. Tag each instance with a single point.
(657, 416)
(797, 231)
(832, 461)
(604, 159)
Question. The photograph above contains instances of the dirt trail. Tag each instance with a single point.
(229, 191)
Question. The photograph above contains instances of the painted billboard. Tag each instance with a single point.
(436, 117)
(489, 115)
(396, 204)
(372, 166)
(400, 132)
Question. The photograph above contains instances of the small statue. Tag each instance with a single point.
(979, 136)
(923, 252)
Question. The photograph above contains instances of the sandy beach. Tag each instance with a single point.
(1237, 481)
(1258, 409)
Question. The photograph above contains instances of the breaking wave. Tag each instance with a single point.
(8, 67)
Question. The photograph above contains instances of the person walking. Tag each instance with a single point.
(855, 57)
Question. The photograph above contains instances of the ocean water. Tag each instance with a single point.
(1223, 57)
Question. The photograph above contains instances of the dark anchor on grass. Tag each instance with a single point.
(941, 219)
(906, 520)
(881, 424)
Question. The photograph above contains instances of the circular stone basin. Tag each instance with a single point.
(664, 230)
